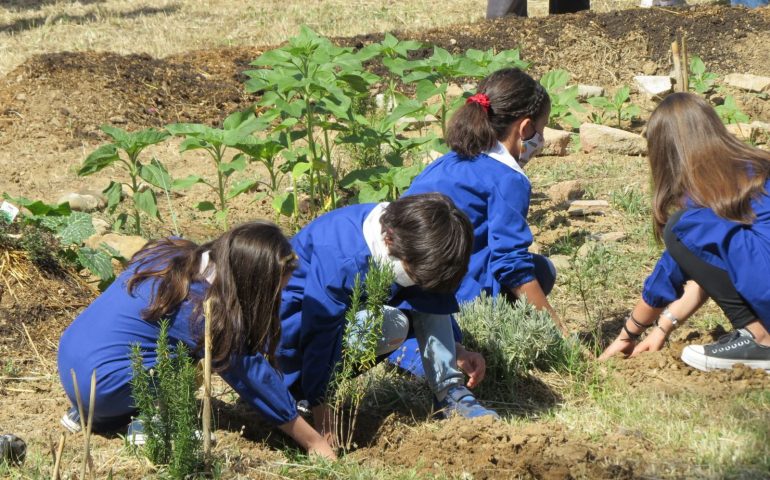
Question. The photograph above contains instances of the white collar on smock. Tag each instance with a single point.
(207, 271)
(375, 240)
(502, 155)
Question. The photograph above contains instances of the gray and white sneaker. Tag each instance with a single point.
(735, 347)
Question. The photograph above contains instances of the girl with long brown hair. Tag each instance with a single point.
(241, 275)
(711, 207)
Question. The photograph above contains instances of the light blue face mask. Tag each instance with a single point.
(530, 147)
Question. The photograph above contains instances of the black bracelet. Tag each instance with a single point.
(632, 337)
(636, 322)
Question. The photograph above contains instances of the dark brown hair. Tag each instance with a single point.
(692, 155)
(432, 237)
(249, 262)
(512, 95)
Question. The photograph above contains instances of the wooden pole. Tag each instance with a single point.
(57, 457)
(79, 400)
(677, 66)
(207, 381)
(685, 67)
(89, 425)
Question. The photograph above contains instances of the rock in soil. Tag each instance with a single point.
(751, 83)
(556, 142)
(611, 140)
(582, 208)
(567, 190)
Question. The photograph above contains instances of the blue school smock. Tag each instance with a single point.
(496, 199)
(101, 337)
(743, 251)
(331, 252)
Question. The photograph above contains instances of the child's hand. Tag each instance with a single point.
(323, 420)
(473, 364)
(620, 345)
(651, 343)
(322, 449)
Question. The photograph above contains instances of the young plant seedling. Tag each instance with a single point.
(617, 106)
(701, 81)
(564, 100)
(124, 151)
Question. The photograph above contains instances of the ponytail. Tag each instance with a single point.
(511, 95)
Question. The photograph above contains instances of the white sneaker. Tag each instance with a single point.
(735, 347)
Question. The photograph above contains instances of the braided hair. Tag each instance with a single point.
(512, 95)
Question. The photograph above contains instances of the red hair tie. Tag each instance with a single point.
(480, 98)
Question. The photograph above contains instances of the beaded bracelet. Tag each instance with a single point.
(671, 317)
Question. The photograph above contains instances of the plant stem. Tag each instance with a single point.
(133, 172)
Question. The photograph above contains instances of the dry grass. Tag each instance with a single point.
(164, 27)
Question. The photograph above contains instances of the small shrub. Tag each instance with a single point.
(165, 399)
(618, 107)
(513, 337)
(359, 348)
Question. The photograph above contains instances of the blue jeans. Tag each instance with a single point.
(435, 340)
(749, 3)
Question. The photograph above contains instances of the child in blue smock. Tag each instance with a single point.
(427, 241)
(241, 274)
(711, 207)
(492, 137)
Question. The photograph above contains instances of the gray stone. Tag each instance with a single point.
(582, 208)
(609, 237)
(589, 91)
(535, 248)
(655, 86)
(383, 102)
(561, 262)
(556, 142)
(84, 202)
(127, 245)
(565, 191)
(751, 83)
(453, 90)
(611, 140)
(100, 226)
(118, 120)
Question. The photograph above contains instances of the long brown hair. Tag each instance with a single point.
(512, 95)
(249, 264)
(692, 155)
(432, 237)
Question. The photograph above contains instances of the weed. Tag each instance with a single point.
(630, 200)
(730, 113)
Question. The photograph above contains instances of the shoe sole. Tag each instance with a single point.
(67, 423)
(706, 363)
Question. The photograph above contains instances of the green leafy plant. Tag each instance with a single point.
(630, 200)
(236, 133)
(124, 151)
(700, 80)
(70, 230)
(359, 348)
(730, 113)
(513, 337)
(168, 409)
(380, 184)
(564, 101)
(311, 84)
(617, 107)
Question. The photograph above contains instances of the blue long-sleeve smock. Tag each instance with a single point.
(495, 196)
(332, 250)
(743, 251)
(101, 337)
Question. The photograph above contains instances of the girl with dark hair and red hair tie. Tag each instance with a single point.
(492, 137)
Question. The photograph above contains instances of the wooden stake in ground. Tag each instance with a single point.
(89, 425)
(685, 67)
(677, 66)
(207, 381)
(57, 458)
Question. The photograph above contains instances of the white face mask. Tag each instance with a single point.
(402, 278)
(530, 147)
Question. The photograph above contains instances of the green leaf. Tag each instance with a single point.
(241, 187)
(369, 194)
(187, 182)
(98, 159)
(238, 164)
(113, 193)
(205, 206)
(156, 174)
(39, 208)
(300, 169)
(284, 204)
(362, 175)
(76, 229)
(146, 202)
(98, 262)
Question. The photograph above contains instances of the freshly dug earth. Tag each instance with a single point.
(50, 111)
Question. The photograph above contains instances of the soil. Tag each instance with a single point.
(50, 111)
